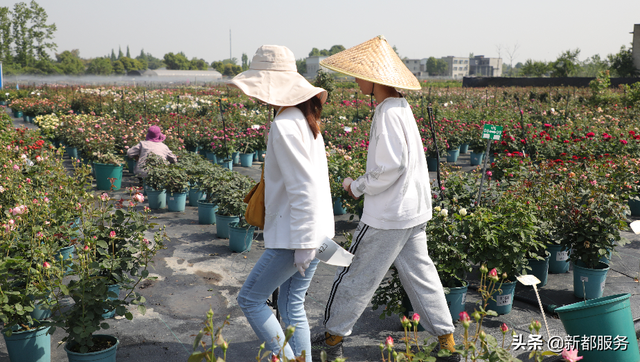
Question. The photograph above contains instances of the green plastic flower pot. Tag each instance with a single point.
(432, 164)
(235, 157)
(558, 260)
(503, 300)
(177, 201)
(464, 148)
(456, 300)
(29, 346)
(157, 199)
(337, 207)
(452, 155)
(72, 152)
(114, 288)
(261, 154)
(240, 239)
(606, 317)
(67, 256)
(222, 225)
(212, 157)
(104, 172)
(18, 114)
(635, 207)
(195, 149)
(40, 313)
(106, 355)
(207, 213)
(226, 163)
(195, 195)
(540, 269)
(131, 164)
(587, 282)
(476, 158)
(246, 159)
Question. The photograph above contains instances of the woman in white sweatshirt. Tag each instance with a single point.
(298, 210)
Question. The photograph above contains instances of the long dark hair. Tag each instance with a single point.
(312, 109)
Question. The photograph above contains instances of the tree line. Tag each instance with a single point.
(567, 64)
(26, 40)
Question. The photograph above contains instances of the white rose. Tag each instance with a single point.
(463, 212)
(444, 212)
(437, 209)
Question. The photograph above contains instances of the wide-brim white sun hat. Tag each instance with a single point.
(374, 61)
(274, 79)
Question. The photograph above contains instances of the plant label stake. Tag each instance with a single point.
(532, 280)
(435, 144)
(491, 133)
(224, 131)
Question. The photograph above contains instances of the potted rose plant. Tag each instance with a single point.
(233, 188)
(590, 223)
(108, 170)
(114, 252)
(448, 244)
(501, 234)
(210, 186)
(176, 183)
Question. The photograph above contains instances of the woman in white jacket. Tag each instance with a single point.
(298, 210)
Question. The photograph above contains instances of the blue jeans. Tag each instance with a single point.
(275, 269)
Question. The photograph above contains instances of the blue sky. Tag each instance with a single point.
(200, 28)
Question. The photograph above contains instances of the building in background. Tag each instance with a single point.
(176, 76)
(480, 66)
(636, 46)
(313, 65)
(457, 67)
(417, 66)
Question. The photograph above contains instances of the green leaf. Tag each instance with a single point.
(128, 315)
(142, 309)
(196, 342)
(197, 357)
(77, 330)
(103, 244)
(104, 325)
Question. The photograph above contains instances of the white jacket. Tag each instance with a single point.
(396, 185)
(298, 209)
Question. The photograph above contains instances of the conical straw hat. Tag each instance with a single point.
(375, 61)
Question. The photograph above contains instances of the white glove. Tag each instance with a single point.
(302, 258)
(346, 183)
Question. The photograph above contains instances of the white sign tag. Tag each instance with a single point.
(602, 287)
(170, 198)
(528, 279)
(502, 300)
(562, 255)
(331, 253)
(635, 226)
(256, 126)
(464, 299)
(584, 279)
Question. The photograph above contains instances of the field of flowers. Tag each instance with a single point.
(565, 172)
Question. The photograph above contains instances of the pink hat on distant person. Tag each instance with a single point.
(154, 134)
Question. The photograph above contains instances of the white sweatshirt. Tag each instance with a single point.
(396, 184)
(298, 208)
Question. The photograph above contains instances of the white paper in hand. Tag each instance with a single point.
(331, 253)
